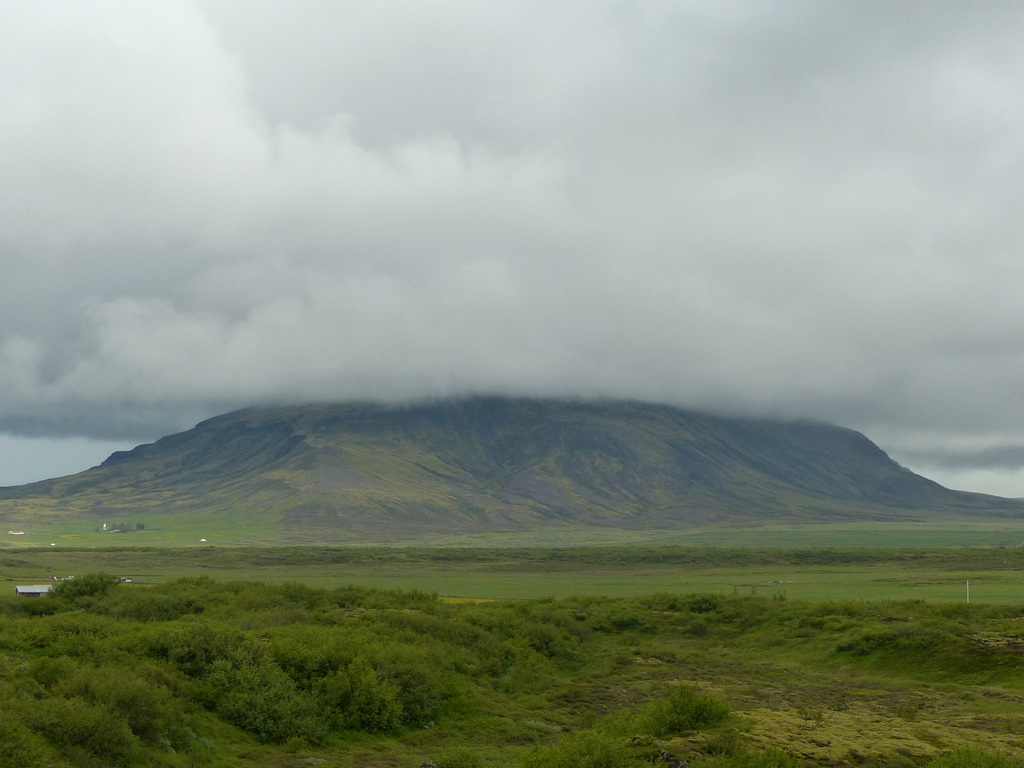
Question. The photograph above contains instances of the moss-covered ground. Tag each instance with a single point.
(202, 671)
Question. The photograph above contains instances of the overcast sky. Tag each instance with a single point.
(795, 208)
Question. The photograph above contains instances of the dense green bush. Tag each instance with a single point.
(195, 649)
(79, 727)
(683, 709)
(260, 698)
(50, 670)
(423, 688)
(147, 708)
(20, 746)
(150, 605)
(372, 704)
(86, 586)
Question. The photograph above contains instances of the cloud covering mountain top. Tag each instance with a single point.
(795, 209)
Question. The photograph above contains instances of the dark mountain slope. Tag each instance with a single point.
(485, 464)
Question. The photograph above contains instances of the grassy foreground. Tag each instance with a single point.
(204, 672)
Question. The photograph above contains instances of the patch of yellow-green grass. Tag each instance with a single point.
(868, 732)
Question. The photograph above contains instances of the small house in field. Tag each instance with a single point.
(15, 533)
(35, 590)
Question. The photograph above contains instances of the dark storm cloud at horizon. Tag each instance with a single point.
(792, 209)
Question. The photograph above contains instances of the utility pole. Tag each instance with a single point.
(968, 591)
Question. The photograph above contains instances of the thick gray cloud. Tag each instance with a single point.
(795, 209)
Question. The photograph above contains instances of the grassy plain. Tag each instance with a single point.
(995, 574)
(242, 528)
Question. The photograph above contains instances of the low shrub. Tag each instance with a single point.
(149, 710)
(78, 727)
(373, 705)
(261, 699)
(19, 746)
(684, 709)
(89, 585)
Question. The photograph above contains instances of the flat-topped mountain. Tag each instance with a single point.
(499, 464)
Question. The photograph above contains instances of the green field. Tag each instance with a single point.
(996, 575)
(243, 529)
